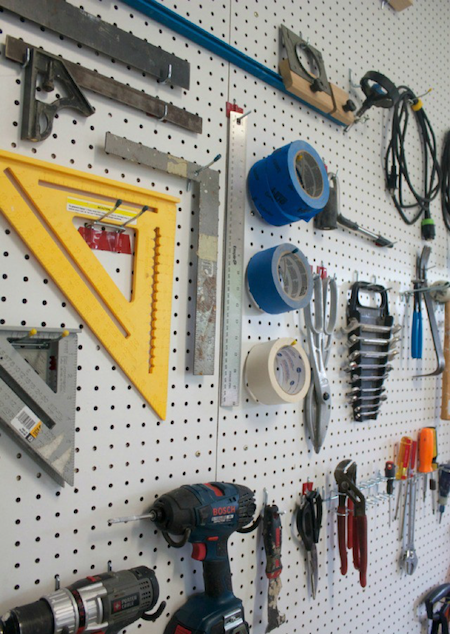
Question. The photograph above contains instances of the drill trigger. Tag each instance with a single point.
(181, 543)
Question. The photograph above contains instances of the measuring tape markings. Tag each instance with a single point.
(289, 185)
(277, 372)
(280, 279)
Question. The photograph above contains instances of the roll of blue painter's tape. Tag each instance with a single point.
(280, 279)
(290, 183)
(298, 178)
(265, 203)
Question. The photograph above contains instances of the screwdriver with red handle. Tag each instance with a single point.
(402, 467)
(409, 490)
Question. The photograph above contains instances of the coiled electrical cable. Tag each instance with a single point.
(398, 179)
(445, 182)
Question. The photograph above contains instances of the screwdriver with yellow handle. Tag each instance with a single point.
(426, 451)
(404, 453)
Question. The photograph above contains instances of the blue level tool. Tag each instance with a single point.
(195, 33)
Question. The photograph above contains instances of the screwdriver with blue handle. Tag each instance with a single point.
(417, 328)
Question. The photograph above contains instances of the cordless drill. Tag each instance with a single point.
(206, 515)
(102, 603)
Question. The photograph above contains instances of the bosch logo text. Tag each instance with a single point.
(224, 510)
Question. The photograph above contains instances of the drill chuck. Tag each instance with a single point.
(107, 603)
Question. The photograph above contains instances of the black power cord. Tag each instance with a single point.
(396, 166)
(445, 182)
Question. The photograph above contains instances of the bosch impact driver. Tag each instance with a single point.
(206, 515)
(102, 603)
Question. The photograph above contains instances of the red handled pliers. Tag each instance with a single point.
(353, 532)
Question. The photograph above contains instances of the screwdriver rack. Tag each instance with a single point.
(125, 456)
(365, 486)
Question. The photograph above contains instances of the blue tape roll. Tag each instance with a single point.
(280, 279)
(265, 203)
(295, 184)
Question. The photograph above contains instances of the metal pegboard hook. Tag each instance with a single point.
(239, 119)
(166, 109)
(306, 41)
(127, 222)
(27, 59)
(350, 79)
(200, 169)
(165, 80)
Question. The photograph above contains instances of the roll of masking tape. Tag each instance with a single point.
(292, 180)
(277, 372)
(280, 279)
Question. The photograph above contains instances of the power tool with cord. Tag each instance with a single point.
(103, 603)
(206, 515)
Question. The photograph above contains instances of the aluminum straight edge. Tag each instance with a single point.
(233, 275)
(208, 232)
(196, 34)
(87, 29)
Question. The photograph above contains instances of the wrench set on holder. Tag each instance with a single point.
(371, 342)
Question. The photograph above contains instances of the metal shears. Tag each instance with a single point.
(309, 522)
(319, 336)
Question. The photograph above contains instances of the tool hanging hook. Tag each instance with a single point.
(165, 80)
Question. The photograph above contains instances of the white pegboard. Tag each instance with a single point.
(125, 456)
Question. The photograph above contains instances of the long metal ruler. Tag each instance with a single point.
(234, 261)
(38, 372)
(87, 29)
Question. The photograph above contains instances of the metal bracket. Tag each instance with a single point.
(293, 44)
(37, 395)
(208, 231)
(19, 51)
(86, 29)
(34, 112)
